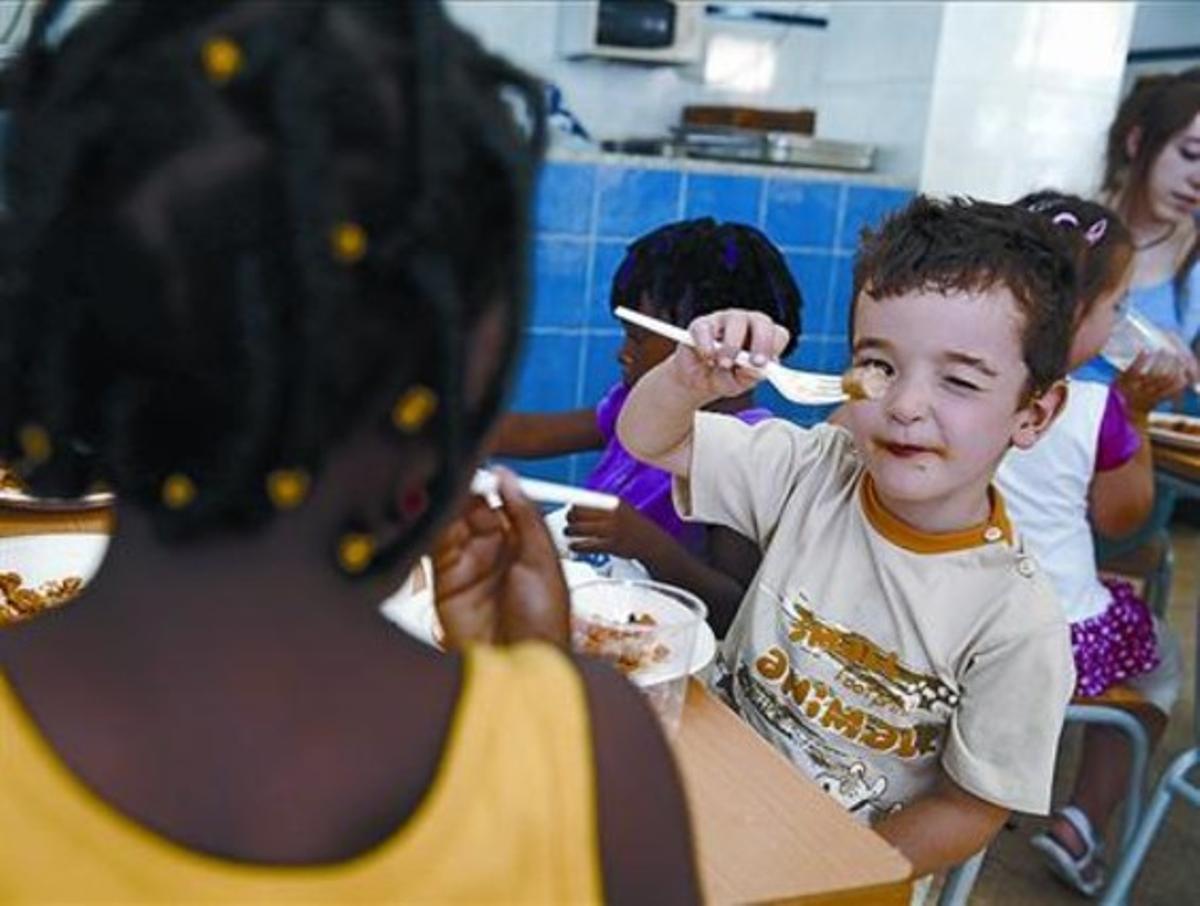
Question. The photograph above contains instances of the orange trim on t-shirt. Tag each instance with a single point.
(904, 535)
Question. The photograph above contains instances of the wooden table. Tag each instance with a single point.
(766, 833)
(1180, 468)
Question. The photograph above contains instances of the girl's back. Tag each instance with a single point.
(264, 279)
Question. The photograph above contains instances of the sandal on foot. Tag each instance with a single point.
(1084, 873)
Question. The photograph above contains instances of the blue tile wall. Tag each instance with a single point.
(734, 198)
(802, 213)
(564, 199)
(632, 201)
(560, 282)
(813, 273)
(585, 215)
(867, 206)
(606, 257)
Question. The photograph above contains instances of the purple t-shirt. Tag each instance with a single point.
(1118, 441)
(642, 486)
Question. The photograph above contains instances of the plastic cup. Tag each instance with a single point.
(1130, 335)
(647, 630)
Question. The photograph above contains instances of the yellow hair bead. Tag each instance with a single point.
(348, 242)
(355, 552)
(414, 409)
(178, 491)
(287, 488)
(35, 443)
(222, 59)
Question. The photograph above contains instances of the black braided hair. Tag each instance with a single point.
(1101, 242)
(693, 267)
(170, 300)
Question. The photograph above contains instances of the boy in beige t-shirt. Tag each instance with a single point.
(897, 644)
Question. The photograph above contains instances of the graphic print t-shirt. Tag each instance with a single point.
(872, 655)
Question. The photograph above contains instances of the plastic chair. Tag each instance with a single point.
(1113, 709)
(1150, 566)
(960, 880)
(1174, 782)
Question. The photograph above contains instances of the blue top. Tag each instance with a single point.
(1158, 305)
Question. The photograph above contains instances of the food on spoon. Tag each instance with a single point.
(865, 382)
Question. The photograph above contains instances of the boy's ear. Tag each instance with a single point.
(1038, 415)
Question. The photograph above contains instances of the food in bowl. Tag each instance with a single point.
(626, 645)
(18, 602)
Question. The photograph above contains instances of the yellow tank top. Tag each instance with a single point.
(510, 816)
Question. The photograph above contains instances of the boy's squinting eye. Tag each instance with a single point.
(961, 383)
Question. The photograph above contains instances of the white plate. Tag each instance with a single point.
(411, 608)
(1164, 430)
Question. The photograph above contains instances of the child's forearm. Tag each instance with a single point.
(942, 829)
(533, 434)
(1121, 499)
(656, 421)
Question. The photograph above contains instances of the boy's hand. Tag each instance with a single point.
(622, 532)
(497, 578)
(1151, 378)
(710, 370)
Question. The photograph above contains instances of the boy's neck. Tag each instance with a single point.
(967, 508)
(732, 404)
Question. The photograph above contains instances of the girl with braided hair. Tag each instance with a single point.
(262, 276)
(676, 273)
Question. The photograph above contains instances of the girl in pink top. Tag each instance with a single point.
(1093, 471)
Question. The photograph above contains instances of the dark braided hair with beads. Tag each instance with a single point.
(694, 267)
(172, 301)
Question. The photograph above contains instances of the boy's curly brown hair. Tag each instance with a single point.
(964, 245)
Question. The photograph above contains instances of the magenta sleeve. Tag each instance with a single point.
(1118, 441)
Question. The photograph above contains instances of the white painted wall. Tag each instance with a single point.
(876, 80)
(1023, 95)
(986, 98)
(617, 100)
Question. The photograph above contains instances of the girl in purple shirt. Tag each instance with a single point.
(677, 273)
